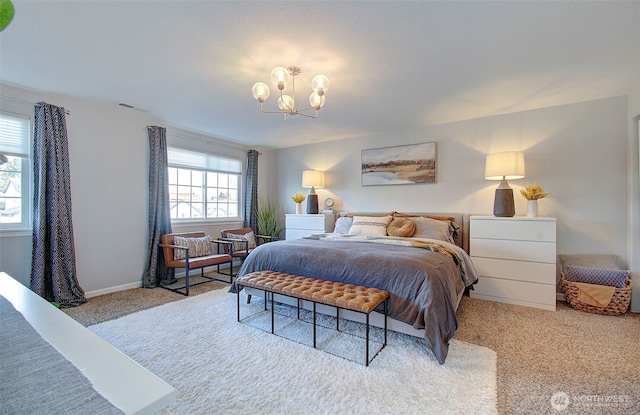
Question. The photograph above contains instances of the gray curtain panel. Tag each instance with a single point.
(156, 273)
(251, 191)
(53, 262)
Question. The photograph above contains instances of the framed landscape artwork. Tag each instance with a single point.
(410, 164)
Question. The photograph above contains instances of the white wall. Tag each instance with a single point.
(584, 154)
(577, 152)
(109, 155)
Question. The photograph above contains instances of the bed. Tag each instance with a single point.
(426, 273)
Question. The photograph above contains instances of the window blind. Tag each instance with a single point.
(14, 135)
(205, 161)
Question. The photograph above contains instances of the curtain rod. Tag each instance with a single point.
(22, 101)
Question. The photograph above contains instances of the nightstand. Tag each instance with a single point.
(299, 226)
(516, 260)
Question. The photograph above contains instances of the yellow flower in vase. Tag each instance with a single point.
(533, 192)
(298, 197)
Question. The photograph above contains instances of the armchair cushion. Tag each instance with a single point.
(198, 247)
(200, 262)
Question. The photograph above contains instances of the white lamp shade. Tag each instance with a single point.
(507, 165)
(312, 178)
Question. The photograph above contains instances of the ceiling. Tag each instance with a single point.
(392, 65)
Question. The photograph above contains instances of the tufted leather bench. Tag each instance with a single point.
(337, 294)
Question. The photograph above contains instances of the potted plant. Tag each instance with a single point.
(267, 217)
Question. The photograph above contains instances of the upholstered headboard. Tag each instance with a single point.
(460, 219)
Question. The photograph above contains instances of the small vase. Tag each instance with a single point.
(532, 208)
(298, 208)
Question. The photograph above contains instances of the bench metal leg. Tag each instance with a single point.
(186, 280)
(314, 324)
(272, 314)
(238, 304)
(385, 321)
(366, 353)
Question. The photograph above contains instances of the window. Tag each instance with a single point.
(15, 171)
(203, 186)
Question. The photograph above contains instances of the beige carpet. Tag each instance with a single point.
(115, 305)
(589, 364)
(588, 357)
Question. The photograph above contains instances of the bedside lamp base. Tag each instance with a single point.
(503, 205)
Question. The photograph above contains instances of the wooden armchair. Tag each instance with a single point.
(191, 261)
(243, 241)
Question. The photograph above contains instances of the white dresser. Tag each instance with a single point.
(516, 260)
(299, 226)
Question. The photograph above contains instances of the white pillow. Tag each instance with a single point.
(433, 229)
(370, 225)
(343, 225)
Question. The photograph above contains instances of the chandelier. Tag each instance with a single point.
(281, 77)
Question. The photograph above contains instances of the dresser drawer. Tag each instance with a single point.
(311, 222)
(298, 233)
(514, 250)
(523, 229)
(516, 292)
(299, 226)
(516, 270)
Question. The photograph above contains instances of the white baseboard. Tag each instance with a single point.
(110, 290)
(138, 284)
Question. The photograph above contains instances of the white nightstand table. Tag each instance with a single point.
(299, 226)
(516, 260)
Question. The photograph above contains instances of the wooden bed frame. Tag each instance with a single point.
(378, 319)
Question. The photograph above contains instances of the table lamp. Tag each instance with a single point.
(507, 165)
(312, 179)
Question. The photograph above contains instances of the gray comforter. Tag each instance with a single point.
(424, 284)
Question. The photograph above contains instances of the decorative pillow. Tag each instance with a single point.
(598, 276)
(401, 226)
(240, 246)
(370, 225)
(197, 247)
(343, 225)
(433, 229)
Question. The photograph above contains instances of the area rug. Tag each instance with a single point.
(218, 365)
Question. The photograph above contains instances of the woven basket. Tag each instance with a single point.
(618, 305)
